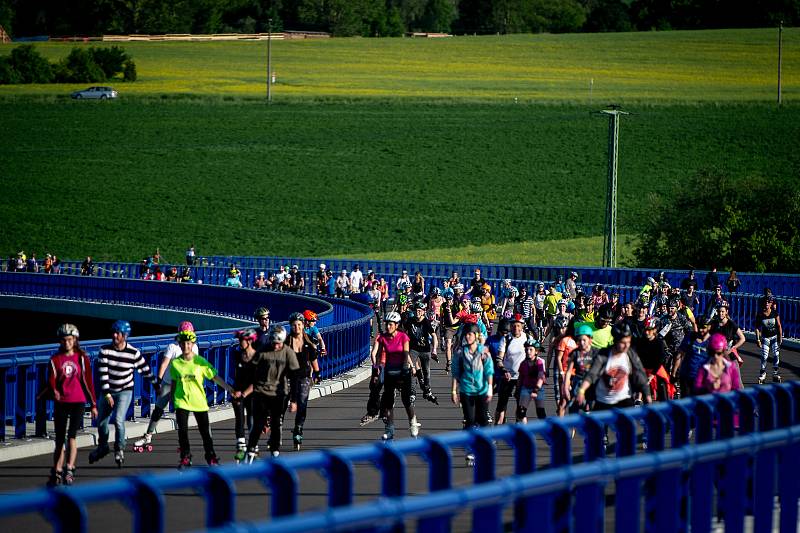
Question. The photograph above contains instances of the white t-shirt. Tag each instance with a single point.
(171, 352)
(614, 385)
(356, 280)
(514, 354)
(280, 276)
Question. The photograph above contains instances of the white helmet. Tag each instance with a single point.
(458, 287)
(322, 266)
(66, 330)
(277, 334)
(393, 317)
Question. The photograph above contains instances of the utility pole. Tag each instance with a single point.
(780, 53)
(269, 61)
(610, 236)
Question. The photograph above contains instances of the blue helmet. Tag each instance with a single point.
(121, 326)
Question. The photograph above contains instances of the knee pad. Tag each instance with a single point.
(521, 412)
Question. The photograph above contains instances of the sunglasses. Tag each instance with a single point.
(264, 317)
(717, 352)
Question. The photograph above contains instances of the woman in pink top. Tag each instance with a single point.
(70, 383)
(392, 353)
(719, 374)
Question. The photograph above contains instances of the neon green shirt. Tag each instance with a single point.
(551, 303)
(188, 377)
(601, 338)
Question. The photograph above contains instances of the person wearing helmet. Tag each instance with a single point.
(578, 365)
(550, 308)
(342, 284)
(274, 366)
(243, 375)
(510, 354)
(601, 326)
(526, 306)
(673, 328)
(599, 295)
(423, 345)
(652, 351)
(648, 289)
(321, 278)
(637, 321)
(561, 346)
(70, 385)
(472, 381)
(391, 353)
(262, 317)
(493, 344)
(616, 373)
(692, 354)
(116, 364)
(769, 336)
(718, 374)
(189, 373)
(303, 379)
(560, 286)
(164, 378)
(488, 306)
(471, 313)
(310, 318)
(402, 280)
(532, 379)
(450, 322)
(435, 303)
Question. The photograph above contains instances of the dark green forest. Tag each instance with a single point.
(381, 18)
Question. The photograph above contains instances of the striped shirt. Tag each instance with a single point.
(116, 367)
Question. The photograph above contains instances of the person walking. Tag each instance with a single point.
(189, 372)
(165, 394)
(70, 384)
(115, 365)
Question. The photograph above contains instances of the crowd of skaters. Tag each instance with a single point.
(593, 350)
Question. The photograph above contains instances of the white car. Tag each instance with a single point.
(101, 93)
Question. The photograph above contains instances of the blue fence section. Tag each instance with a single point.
(728, 472)
(346, 329)
(744, 306)
(752, 282)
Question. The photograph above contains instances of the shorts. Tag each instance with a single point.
(525, 396)
(450, 333)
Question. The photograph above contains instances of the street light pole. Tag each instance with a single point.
(269, 61)
(780, 53)
(610, 236)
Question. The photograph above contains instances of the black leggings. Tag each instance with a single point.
(397, 379)
(265, 407)
(64, 413)
(474, 408)
(243, 410)
(182, 415)
(507, 389)
(375, 387)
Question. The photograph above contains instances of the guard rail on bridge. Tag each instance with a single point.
(735, 471)
(345, 327)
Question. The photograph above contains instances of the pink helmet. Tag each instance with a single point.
(717, 343)
(185, 326)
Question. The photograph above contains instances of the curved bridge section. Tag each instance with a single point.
(345, 326)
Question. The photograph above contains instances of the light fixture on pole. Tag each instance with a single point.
(610, 235)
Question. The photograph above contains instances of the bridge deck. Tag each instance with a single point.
(332, 421)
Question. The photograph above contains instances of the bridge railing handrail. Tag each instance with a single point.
(768, 414)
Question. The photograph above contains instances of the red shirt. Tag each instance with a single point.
(71, 376)
(391, 351)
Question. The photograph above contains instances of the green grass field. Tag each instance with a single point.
(390, 147)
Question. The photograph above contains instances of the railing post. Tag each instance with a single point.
(489, 518)
(67, 514)
(283, 482)
(148, 507)
(524, 463)
(340, 481)
(656, 430)
(626, 433)
(220, 499)
(439, 478)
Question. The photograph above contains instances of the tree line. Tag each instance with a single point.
(385, 17)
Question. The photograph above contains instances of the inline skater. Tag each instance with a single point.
(472, 378)
(532, 379)
(653, 353)
(392, 352)
(732, 332)
(601, 327)
(434, 313)
(306, 351)
(561, 347)
(450, 324)
(70, 384)
(423, 345)
(769, 335)
(718, 374)
(262, 317)
(673, 327)
(273, 368)
(244, 375)
(165, 380)
(116, 363)
(312, 331)
(511, 354)
(578, 365)
(692, 355)
(526, 306)
(570, 286)
(714, 301)
(189, 372)
(489, 307)
(538, 299)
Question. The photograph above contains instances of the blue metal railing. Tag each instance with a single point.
(345, 327)
(747, 466)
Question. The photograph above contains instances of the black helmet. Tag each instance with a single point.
(606, 312)
(621, 330)
(503, 326)
(472, 328)
(673, 302)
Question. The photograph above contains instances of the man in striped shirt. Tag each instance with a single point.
(115, 365)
